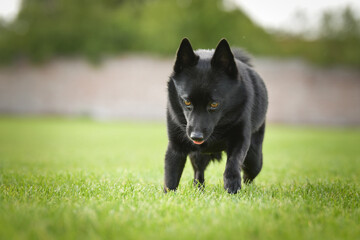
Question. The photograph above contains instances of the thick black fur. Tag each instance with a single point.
(216, 102)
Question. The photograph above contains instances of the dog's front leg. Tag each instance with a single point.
(236, 153)
(174, 166)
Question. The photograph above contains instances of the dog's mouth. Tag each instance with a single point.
(198, 142)
(197, 137)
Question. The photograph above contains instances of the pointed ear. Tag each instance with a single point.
(223, 59)
(185, 56)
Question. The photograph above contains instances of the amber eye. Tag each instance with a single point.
(187, 103)
(214, 105)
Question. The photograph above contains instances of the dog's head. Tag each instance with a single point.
(204, 81)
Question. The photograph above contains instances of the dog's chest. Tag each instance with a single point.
(213, 147)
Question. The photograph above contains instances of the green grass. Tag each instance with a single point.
(80, 179)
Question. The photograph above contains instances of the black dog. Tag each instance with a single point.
(216, 102)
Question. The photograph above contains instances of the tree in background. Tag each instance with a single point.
(339, 37)
(95, 28)
(44, 29)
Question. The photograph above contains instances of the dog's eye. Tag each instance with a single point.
(214, 105)
(187, 103)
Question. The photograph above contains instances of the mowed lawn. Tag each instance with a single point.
(82, 179)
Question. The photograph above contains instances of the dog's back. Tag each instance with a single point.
(242, 56)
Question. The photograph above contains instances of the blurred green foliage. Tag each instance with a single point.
(93, 28)
(337, 40)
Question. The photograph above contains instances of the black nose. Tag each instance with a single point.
(197, 136)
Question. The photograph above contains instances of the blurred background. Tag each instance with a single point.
(111, 59)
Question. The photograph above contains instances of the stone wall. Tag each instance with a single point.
(134, 88)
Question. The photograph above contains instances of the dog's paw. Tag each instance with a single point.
(199, 185)
(232, 183)
(247, 179)
(166, 189)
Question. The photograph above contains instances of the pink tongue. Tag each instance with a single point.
(198, 143)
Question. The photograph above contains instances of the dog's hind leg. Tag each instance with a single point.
(254, 159)
(199, 162)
